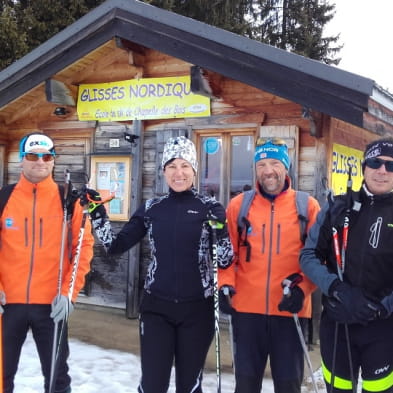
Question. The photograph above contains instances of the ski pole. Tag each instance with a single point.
(75, 265)
(213, 225)
(226, 293)
(304, 346)
(1, 354)
(340, 261)
(287, 292)
(60, 278)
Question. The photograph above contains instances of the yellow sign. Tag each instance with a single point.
(141, 99)
(343, 158)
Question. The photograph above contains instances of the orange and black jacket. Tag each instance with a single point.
(30, 244)
(274, 237)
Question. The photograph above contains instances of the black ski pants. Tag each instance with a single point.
(176, 334)
(17, 320)
(259, 337)
(371, 349)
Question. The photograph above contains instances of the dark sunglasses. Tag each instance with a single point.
(273, 141)
(35, 156)
(376, 163)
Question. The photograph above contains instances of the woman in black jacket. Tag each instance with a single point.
(177, 310)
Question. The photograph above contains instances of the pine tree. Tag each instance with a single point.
(12, 42)
(297, 26)
(226, 14)
(45, 18)
(293, 25)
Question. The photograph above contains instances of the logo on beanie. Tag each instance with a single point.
(379, 148)
(269, 150)
(34, 144)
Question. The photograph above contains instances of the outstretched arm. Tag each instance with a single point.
(114, 243)
(99, 217)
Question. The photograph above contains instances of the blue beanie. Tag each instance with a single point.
(270, 150)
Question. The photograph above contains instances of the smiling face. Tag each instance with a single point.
(271, 175)
(179, 175)
(379, 181)
(37, 171)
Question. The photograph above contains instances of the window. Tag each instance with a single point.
(226, 163)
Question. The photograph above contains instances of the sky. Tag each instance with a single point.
(365, 28)
(94, 369)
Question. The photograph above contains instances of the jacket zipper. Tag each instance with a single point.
(269, 261)
(41, 231)
(175, 267)
(365, 244)
(32, 246)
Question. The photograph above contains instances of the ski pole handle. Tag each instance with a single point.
(288, 283)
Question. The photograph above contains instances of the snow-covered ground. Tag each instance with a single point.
(94, 369)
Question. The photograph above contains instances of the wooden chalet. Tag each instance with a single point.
(252, 90)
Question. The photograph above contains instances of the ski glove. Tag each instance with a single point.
(224, 299)
(93, 200)
(386, 306)
(347, 304)
(61, 308)
(217, 220)
(293, 297)
(2, 302)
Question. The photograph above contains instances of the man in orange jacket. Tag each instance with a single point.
(31, 242)
(262, 317)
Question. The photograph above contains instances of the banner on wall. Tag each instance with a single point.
(343, 158)
(141, 99)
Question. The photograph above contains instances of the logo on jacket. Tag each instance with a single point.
(9, 222)
(192, 211)
(375, 230)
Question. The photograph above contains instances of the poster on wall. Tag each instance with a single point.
(110, 177)
(343, 158)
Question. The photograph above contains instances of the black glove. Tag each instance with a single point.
(293, 298)
(88, 195)
(217, 219)
(93, 200)
(224, 299)
(386, 307)
(347, 304)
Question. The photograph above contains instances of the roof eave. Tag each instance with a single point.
(327, 89)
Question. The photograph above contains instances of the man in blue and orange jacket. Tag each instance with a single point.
(262, 318)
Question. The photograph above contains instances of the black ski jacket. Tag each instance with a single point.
(180, 266)
(369, 255)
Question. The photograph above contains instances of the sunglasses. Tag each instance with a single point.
(35, 156)
(273, 141)
(376, 163)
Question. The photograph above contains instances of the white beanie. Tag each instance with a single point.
(180, 147)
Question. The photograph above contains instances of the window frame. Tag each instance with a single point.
(226, 157)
